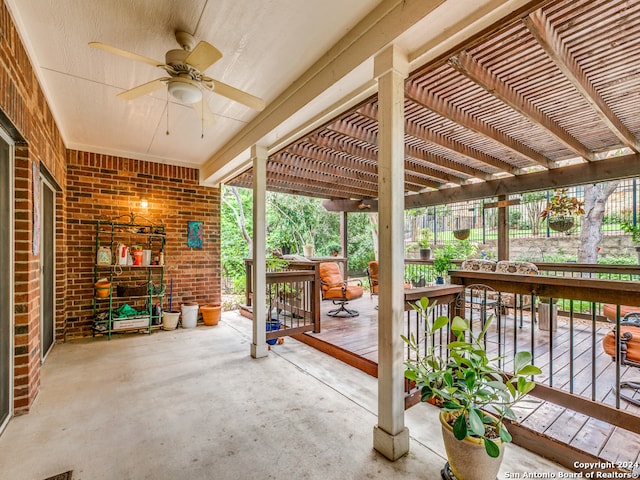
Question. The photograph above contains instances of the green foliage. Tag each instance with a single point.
(514, 218)
(290, 221)
(360, 242)
(468, 383)
(634, 230)
(458, 249)
(442, 259)
(562, 205)
(233, 246)
(425, 238)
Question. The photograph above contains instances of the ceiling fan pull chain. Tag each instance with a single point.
(202, 119)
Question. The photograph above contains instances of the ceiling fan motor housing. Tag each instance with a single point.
(185, 90)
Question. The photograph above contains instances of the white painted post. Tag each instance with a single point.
(259, 345)
(390, 436)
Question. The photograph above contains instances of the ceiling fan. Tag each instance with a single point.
(186, 82)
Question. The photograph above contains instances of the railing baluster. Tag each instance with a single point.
(551, 319)
(571, 352)
(618, 352)
(593, 351)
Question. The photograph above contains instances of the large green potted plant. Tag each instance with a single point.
(473, 393)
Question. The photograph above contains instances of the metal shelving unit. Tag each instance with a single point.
(141, 286)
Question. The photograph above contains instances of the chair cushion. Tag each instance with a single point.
(373, 276)
(330, 275)
(373, 270)
(633, 345)
(609, 311)
(335, 293)
(521, 268)
(478, 265)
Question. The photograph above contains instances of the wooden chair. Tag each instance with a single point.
(629, 350)
(335, 288)
(372, 274)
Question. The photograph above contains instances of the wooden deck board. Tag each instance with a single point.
(356, 340)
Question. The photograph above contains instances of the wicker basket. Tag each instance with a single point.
(133, 291)
(462, 234)
(561, 224)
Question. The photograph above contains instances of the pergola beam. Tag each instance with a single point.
(469, 67)
(540, 27)
(627, 166)
(592, 172)
(445, 109)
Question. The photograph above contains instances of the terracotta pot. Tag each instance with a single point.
(467, 458)
(210, 314)
(103, 289)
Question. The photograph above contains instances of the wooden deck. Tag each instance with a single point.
(355, 341)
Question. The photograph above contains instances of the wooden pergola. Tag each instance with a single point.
(547, 98)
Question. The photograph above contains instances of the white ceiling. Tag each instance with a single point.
(306, 58)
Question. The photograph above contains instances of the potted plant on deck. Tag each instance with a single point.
(473, 393)
(442, 261)
(424, 242)
(562, 210)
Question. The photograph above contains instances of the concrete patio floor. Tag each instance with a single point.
(193, 404)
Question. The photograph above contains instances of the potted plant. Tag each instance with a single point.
(462, 233)
(307, 249)
(634, 230)
(562, 210)
(418, 281)
(442, 262)
(473, 393)
(424, 242)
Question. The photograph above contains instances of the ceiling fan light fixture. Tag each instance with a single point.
(184, 91)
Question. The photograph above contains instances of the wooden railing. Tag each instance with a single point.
(293, 299)
(576, 373)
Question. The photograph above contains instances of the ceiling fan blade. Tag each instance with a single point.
(203, 56)
(143, 89)
(124, 53)
(236, 95)
(204, 112)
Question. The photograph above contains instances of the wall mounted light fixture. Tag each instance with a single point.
(144, 203)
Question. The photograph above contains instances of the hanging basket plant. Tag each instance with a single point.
(561, 224)
(562, 210)
(462, 234)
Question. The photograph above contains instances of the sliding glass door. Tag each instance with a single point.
(6, 273)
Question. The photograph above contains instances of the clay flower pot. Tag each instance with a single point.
(468, 459)
(210, 314)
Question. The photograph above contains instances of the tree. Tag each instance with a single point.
(235, 233)
(533, 203)
(595, 199)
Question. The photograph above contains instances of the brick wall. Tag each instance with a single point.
(102, 187)
(30, 122)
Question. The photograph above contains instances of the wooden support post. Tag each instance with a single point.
(503, 228)
(259, 343)
(390, 436)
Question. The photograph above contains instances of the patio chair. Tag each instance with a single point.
(372, 275)
(335, 288)
(629, 351)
